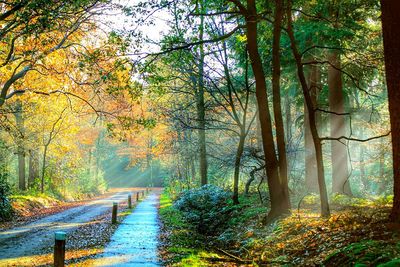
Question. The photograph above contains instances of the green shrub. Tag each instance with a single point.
(311, 199)
(206, 208)
(6, 210)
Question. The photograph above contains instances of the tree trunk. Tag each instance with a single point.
(279, 198)
(391, 44)
(382, 177)
(363, 173)
(325, 212)
(33, 167)
(20, 149)
(276, 99)
(43, 168)
(201, 106)
(311, 175)
(339, 157)
(239, 153)
(288, 113)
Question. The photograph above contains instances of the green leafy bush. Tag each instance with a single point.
(206, 208)
(6, 210)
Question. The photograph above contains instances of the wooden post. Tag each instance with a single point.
(114, 213)
(137, 196)
(129, 201)
(142, 193)
(147, 190)
(59, 249)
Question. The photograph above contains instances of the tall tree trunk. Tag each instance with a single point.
(238, 157)
(325, 212)
(33, 167)
(288, 130)
(43, 168)
(20, 149)
(201, 105)
(259, 142)
(276, 99)
(339, 157)
(311, 175)
(279, 198)
(391, 44)
(382, 177)
(363, 173)
(288, 113)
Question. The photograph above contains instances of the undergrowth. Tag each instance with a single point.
(181, 245)
(357, 234)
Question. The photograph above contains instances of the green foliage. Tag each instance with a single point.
(89, 185)
(206, 208)
(392, 263)
(365, 253)
(384, 200)
(311, 199)
(6, 211)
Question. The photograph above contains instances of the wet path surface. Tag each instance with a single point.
(36, 237)
(135, 241)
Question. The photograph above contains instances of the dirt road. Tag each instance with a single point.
(37, 237)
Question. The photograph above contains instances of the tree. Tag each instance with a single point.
(280, 203)
(276, 92)
(232, 94)
(200, 101)
(27, 22)
(339, 157)
(311, 174)
(325, 211)
(391, 43)
(20, 145)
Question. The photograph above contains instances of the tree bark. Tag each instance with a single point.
(339, 157)
(276, 97)
(238, 157)
(201, 106)
(43, 168)
(20, 146)
(391, 44)
(279, 198)
(311, 175)
(382, 177)
(33, 167)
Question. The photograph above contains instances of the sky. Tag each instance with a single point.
(116, 20)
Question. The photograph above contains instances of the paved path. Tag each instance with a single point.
(36, 237)
(135, 241)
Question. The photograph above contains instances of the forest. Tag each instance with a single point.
(263, 133)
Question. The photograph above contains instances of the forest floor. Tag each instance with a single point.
(357, 234)
(87, 223)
